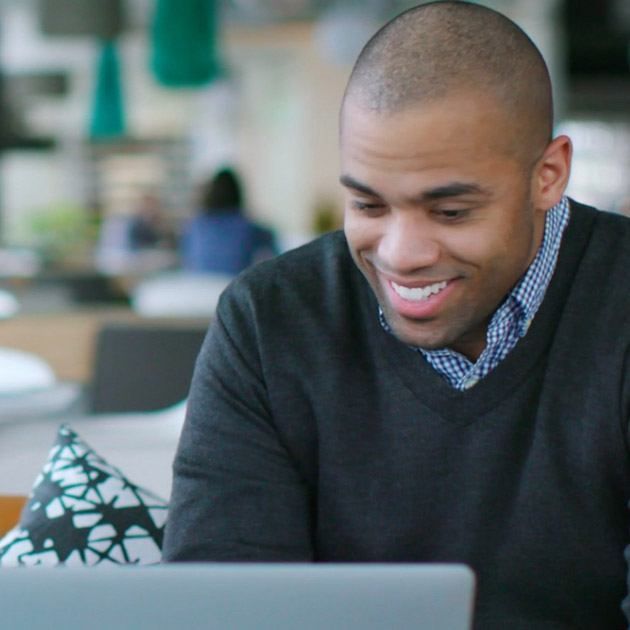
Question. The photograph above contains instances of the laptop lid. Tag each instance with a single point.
(238, 597)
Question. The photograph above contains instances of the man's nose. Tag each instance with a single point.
(409, 243)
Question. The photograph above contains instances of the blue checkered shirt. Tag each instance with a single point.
(511, 320)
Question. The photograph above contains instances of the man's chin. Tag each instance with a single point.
(411, 334)
(421, 343)
(426, 336)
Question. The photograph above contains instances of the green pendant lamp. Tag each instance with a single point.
(108, 116)
(184, 42)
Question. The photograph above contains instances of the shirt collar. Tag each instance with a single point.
(513, 317)
(528, 294)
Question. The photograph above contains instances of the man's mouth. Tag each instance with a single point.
(419, 294)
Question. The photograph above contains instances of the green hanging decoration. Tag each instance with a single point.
(108, 116)
(184, 42)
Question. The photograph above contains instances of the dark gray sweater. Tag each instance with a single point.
(312, 434)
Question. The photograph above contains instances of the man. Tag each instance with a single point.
(447, 380)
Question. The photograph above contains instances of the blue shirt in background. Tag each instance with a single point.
(225, 242)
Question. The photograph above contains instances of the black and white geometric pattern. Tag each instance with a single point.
(84, 511)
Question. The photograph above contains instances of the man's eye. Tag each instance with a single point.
(451, 215)
(364, 206)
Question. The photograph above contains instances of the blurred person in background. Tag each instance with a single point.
(138, 240)
(221, 239)
(147, 227)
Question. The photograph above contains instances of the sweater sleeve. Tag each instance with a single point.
(625, 406)
(236, 494)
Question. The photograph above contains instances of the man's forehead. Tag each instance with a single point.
(466, 121)
(467, 102)
(446, 118)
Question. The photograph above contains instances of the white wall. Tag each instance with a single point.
(288, 131)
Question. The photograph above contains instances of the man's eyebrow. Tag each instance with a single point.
(454, 189)
(349, 182)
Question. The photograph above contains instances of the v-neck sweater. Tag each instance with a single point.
(314, 435)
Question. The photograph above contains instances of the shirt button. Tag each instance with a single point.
(470, 382)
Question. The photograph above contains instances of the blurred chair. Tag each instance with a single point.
(143, 366)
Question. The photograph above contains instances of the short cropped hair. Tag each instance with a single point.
(439, 48)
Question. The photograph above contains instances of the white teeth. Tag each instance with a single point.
(419, 293)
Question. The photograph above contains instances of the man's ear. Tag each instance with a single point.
(551, 173)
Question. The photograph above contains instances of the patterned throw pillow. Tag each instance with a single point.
(84, 511)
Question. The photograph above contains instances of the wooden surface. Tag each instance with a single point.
(10, 508)
(66, 340)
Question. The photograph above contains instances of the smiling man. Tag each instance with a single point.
(446, 379)
(442, 217)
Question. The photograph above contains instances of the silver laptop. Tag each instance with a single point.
(238, 597)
